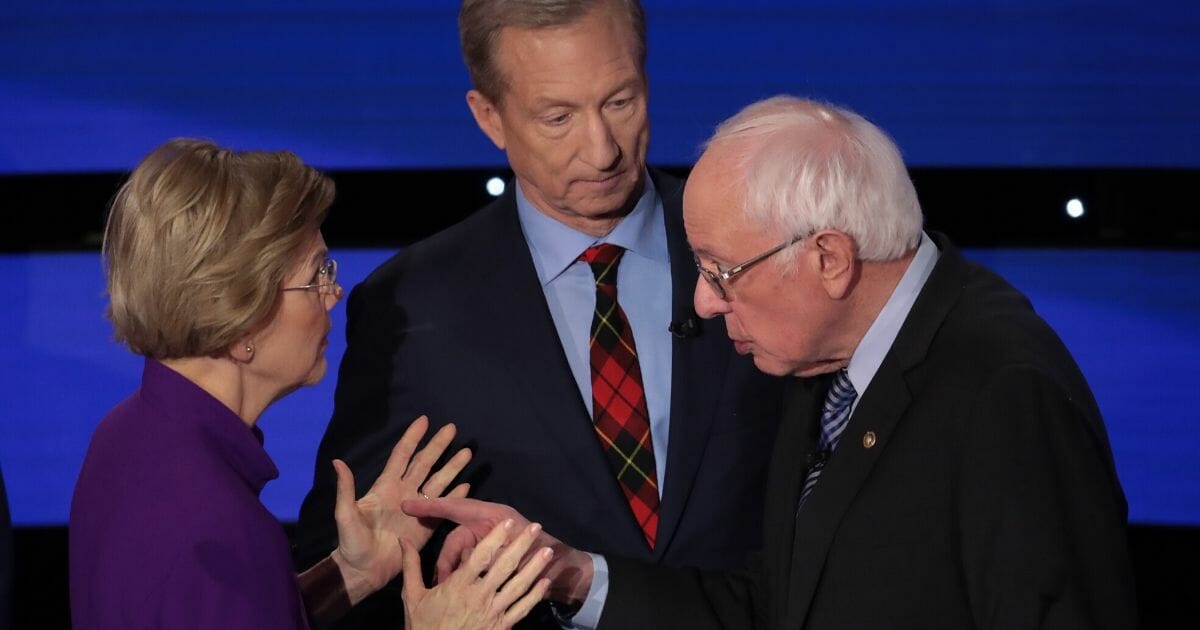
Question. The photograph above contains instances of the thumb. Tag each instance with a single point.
(414, 585)
(344, 502)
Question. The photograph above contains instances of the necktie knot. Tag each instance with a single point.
(835, 414)
(603, 259)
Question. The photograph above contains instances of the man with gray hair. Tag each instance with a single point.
(555, 326)
(941, 462)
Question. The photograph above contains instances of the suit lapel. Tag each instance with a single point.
(879, 411)
(698, 366)
(516, 326)
(797, 439)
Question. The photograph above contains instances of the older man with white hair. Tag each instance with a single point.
(941, 462)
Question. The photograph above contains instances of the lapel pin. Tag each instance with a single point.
(869, 439)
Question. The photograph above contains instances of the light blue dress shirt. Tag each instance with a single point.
(874, 346)
(644, 293)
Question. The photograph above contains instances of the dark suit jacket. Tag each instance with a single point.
(457, 327)
(988, 499)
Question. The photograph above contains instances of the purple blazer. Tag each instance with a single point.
(167, 530)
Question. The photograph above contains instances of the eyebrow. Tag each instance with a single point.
(702, 253)
(628, 85)
(544, 103)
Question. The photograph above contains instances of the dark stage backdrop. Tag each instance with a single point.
(92, 85)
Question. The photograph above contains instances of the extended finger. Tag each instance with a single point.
(521, 608)
(510, 558)
(476, 514)
(414, 585)
(441, 478)
(485, 552)
(454, 552)
(419, 465)
(519, 584)
(343, 505)
(398, 461)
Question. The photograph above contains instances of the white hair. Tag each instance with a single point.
(807, 166)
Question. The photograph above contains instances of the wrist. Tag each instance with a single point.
(570, 577)
(324, 593)
(358, 583)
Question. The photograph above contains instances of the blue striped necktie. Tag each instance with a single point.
(835, 415)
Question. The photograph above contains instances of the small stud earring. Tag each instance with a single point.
(249, 349)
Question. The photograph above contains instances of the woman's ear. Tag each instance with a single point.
(242, 351)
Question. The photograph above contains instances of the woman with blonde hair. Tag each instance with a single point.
(217, 273)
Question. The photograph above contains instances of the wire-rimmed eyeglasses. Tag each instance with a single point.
(325, 282)
(717, 279)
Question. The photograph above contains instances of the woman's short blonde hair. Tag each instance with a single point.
(199, 241)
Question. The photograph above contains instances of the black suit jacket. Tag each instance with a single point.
(988, 499)
(457, 327)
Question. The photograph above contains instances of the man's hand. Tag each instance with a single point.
(369, 554)
(570, 572)
(493, 589)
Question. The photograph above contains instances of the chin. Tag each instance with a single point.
(817, 369)
(773, 367)
(316, 374)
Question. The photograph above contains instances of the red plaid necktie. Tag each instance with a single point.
(618, 398)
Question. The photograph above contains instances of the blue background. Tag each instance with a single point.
(89, 85)
(1129, 317)
(94, 85)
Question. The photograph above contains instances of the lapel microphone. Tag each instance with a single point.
(686, 329)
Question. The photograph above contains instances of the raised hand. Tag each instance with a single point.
(369, 553)
(493, 589)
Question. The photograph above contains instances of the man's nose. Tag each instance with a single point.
(600, 149)
(707, 301)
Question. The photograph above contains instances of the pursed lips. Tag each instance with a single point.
(742, 347)
(602, 182)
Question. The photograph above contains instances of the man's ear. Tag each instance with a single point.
(487, 116)
(837, 261)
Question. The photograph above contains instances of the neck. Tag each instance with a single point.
(227, 381)
(876, 283)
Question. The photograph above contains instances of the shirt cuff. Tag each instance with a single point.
(324, 593)
(588, 616)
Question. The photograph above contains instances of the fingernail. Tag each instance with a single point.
(508, 523)
(534, 528)
(548, 552)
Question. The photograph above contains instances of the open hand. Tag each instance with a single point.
(369, 554)
(492, 589)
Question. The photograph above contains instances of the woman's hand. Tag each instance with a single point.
(369, 554)
(489, 590)
(570, 573)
